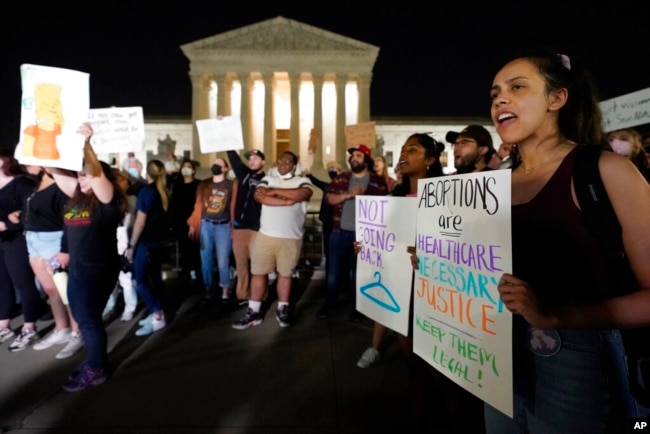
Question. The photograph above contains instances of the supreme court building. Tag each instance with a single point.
(294, 86)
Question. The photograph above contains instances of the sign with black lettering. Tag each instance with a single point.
(463, 243)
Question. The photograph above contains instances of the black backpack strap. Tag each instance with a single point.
(595, 205)
(602, 222)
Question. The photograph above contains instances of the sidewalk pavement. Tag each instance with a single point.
(199, 375)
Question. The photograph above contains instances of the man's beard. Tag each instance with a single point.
(359, 167)
(466, 169)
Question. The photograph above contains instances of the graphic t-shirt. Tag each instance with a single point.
(217, 205)
(91, 236)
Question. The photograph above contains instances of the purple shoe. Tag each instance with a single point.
(84, 377)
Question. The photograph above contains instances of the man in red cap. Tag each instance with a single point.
(361, 179)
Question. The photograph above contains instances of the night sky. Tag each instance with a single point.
(432, 63)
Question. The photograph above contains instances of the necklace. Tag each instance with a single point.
(543, 162)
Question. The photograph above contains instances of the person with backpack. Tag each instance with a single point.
(562, 290)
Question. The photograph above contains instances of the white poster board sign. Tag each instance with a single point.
(54, 105)
(626, 111)
(385, 227)
(464, 245)
(221, 134)
(117, 129)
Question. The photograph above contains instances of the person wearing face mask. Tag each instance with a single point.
(182, 204)
(473, 149)
(210, 223)
(627, 142)
(325, 213)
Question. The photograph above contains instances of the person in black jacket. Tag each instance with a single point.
(246, 219)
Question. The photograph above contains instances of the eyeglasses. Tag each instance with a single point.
(285, 161)
(463, 142)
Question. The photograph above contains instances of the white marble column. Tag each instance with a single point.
(317, 165)
(246, 108)
(224, 88)
(341, 151)
(363, 84)
(294, 131)
(200, 110)
(269, 117)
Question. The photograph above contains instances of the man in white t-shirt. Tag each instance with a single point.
(284, 198)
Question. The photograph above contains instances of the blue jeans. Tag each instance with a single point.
(89, 286)
(580, 389)
(147, 262)
(342, 265)
(215, 239)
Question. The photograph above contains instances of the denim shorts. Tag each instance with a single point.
(43, 244)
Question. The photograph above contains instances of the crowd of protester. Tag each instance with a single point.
(109, 229)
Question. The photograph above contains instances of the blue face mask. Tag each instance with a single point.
(134, 172)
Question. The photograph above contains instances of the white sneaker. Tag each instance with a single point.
(6, 334)
(75, 343)
(126, 316)
(56, 337)
(369, 357)
(152, 326)
(145, 320)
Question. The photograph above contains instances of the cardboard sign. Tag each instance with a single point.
(361, 134)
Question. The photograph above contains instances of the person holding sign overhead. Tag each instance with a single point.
(89, 252)
(566, 338)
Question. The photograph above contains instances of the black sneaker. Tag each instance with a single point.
(250, 319)
(282, 315)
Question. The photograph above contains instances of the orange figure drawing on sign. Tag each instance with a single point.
(39, 140)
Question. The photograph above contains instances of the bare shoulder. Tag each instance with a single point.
(619, 174)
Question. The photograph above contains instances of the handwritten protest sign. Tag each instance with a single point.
(117, 129)
(361, 134)
(54, 105)
(464, 245)
(385, 226)
(626, 111)
(221, 134)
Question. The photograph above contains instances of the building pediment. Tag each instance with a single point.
(278, 35)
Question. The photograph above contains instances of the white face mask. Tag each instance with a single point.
(186, 171)
(621, 147)
(170, 166)
(134, 172)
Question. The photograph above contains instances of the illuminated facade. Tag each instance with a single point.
(294, 87)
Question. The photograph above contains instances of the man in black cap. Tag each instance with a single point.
(341, 258)
(246, 221)
(473, 149)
